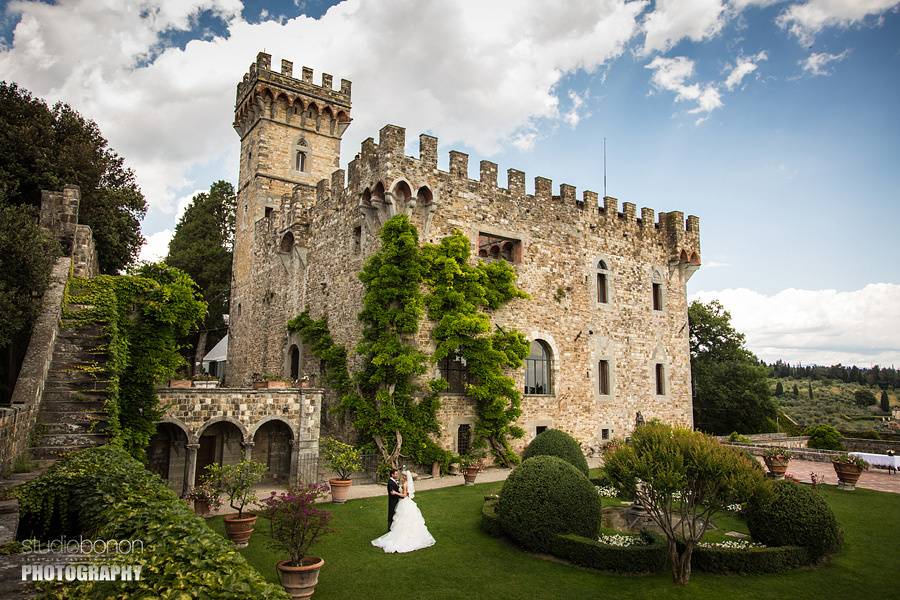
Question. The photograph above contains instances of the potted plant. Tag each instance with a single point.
(205, 381)
(236, 483)
(471, 464)
(205, 498)
(268, 381)
(295, 525)
(848, 469)
(343, 459)
(777, 460)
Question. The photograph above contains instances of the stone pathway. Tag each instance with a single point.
(873, 479)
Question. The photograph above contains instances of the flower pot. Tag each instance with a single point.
(206, 384)
(848, 474)
(239, 529)
(201, 507)
(340, 490)
(179, 383)
(269, 385)
(300, 582)
(470, 474)
(435, 469)
(777, 466)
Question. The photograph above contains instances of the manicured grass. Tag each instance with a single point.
(466, 563)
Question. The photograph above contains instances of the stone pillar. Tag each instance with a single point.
(306, 450)
(247, 445)
(293, 471)
(190, 468)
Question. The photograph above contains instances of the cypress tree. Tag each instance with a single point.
(779, 390)
(885, 403)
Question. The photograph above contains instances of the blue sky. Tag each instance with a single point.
(773, 121)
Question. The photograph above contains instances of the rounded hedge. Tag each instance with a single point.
(824, 437)
(553, 442)
(545, 496)
(788, 514)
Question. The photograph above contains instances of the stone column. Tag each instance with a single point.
(247, 445)
(293, 472)
(190, 468)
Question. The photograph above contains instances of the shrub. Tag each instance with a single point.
(490, 524)
(294, 521)
(734, 436)
(544, 496)
(748, 561)
(824, 437)
(588, 552)
(103, 493)
(554, 442)
(784, 513)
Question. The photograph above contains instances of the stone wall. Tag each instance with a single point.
(18, 420)
(84, 253)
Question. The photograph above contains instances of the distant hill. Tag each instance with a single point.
(833, 402)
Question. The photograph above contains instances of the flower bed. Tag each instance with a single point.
(646, 556)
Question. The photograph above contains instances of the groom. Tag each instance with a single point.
(394, 495)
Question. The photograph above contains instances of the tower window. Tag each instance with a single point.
(604, 434)
(539, 430)
(301, 149)
(539, 369)
(301, 161)
(657, 296)
(295, 362)
(603, 372)
(357, 239)
(602, 282)
(463, 438)
(660, 379)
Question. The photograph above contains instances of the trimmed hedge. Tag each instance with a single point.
(784, 513)
(749, 561)
(103, 493)
(490, 524)
(545, 496)
(554, 442)
(596, 555)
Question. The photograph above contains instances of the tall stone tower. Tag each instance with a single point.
(290, 130)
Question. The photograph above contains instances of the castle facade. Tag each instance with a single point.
(607, 318)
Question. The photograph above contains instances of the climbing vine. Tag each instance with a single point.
(142, 315)
(386, 396)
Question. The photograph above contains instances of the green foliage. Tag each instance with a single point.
(143, 314)
(734, 436)
(824, 437)
(587, 552)
(553, 442)
(340, 457)
(103, 493)
(864, 398)
(545, 496)
(683, 478)
(834, 403)
(750, 561)
(44, 148)
(236, 482)
(795, 391)
(490, 523)
(779, 390)
(885, 402)
(459, 293)
(294, 521)
(731, 391)
(784, 513)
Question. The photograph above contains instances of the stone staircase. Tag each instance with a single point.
(73, 414)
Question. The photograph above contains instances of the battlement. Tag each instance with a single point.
(261, 74)
(392, 141)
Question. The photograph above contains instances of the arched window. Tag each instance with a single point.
(602, 282)
(295, 361)
(287, 243)
(301, 151)
(658, 290)
(539, 369)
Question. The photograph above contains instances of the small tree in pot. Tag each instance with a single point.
(345, 460)
(471, 464)
(296, 524)
(777, 460)
(205, 498)
(236, 483)
(848, 469)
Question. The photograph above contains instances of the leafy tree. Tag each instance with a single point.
(27, 254)
(809, 389)
(824, 437)
(44, 148)
(731, 390)
(885, 402)
(864, 398)
(202, 248)
(795, 391)
(682, 478)
(779, 390)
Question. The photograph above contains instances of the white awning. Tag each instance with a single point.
(219, 351)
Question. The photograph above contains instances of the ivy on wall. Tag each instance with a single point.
(386, 397)
(142, 315)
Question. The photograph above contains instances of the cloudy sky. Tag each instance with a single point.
(774, 121)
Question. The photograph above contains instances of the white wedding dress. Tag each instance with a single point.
(408, 531)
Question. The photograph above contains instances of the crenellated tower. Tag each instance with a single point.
(290, 130)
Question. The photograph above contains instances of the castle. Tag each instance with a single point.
(607, 318)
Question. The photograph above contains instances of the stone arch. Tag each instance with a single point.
(167, 453)
(294, 361)
(245, 434)
(550, 346)
(287, 243)
(273, 442)
(683, 257)
(267, 419)
(221, 440)
(424, 197)
(328, 119)
(191, 438)
(695, 259)
(378, 192)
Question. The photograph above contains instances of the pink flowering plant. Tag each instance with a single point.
(295, 522)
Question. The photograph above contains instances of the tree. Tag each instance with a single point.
(731, 389)
(202, 248)
(885, 402)
(795, 391)
(809, 389)
(864, 398)
(44, 148)
(779, 390)
(682, 478)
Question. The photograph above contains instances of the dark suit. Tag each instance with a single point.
(393, 487)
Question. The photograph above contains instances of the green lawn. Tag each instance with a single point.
(466, 563)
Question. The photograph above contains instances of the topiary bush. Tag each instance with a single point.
(784, 513)
(824, 437)
(554, 442)
(545, 496)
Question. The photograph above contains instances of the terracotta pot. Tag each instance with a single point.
(435, 469)
(201, 507)
(847, 474)
(300, 582)
(470, 474)
(179, 383)
(239, 529)
(269, 385)
(340, 490)
(777, 466)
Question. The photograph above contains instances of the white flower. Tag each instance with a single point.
(621, 540)
(732, 545)
(734, 508)
(607, 491)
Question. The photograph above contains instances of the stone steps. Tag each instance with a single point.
(74, 422)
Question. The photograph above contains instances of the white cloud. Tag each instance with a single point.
(673, 74)
(817, 63)
(674, 20)
(156, 246)
(743, 67)
(429, 66)
(807, 19)
(577, 111)
(859, 327)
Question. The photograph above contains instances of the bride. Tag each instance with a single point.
(408, 531)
